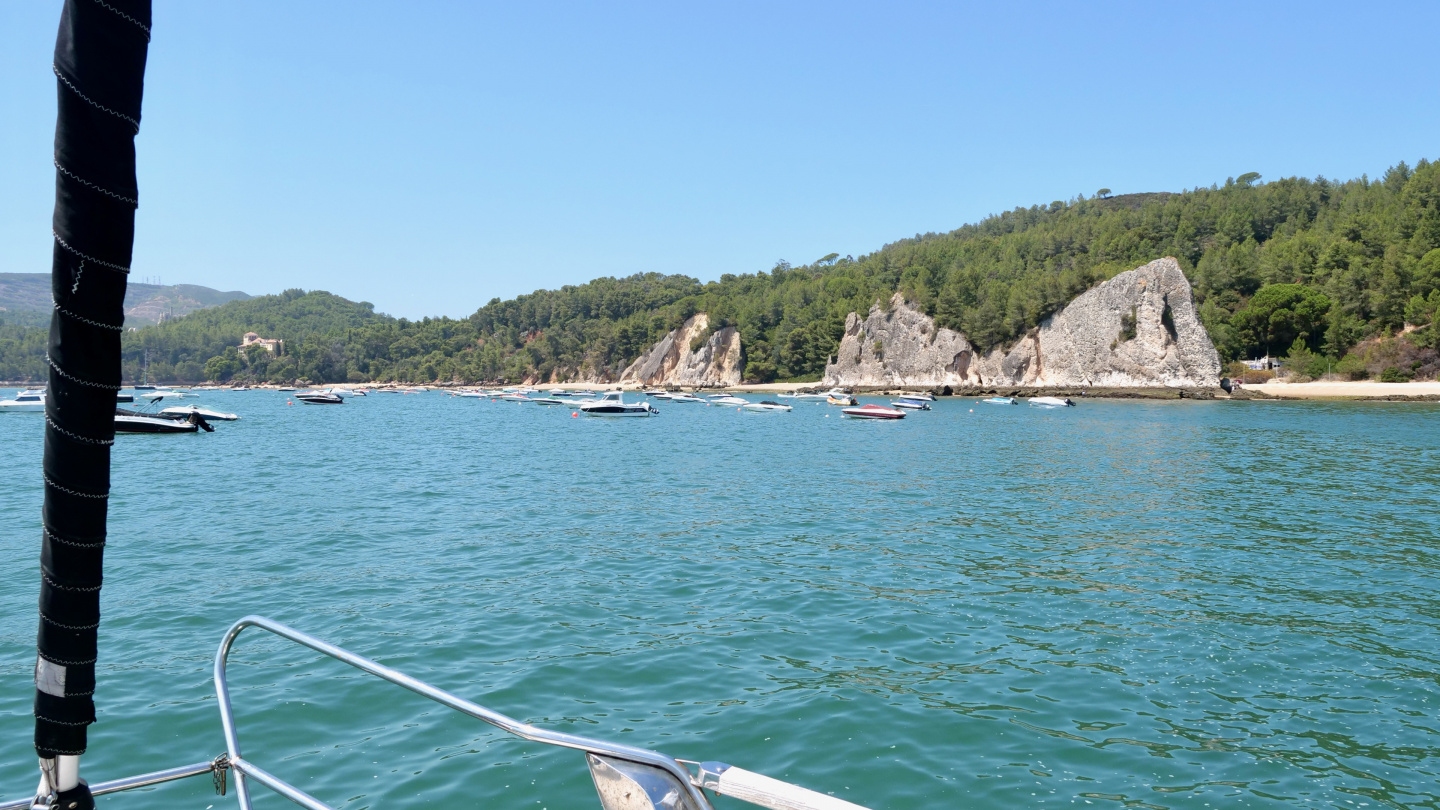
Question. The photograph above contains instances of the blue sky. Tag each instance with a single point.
(429, 156)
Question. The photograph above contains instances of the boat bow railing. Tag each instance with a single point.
(626, 777)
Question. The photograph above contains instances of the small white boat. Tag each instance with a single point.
(320, 398)
(612, 403)
(806, 397)
(923, 396)
(30, 400)
(657, 392)
(1051, 402)
(548, 401)
(1000, 400)
(514, 398)
(874, 412)
(911, 404)
(728, 399)
(166, 394)
(840, 398)
(766, 406)
(204, 413)
(127, 421)
(685, 398)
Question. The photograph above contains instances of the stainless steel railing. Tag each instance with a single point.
(625, 776)
(246, 769)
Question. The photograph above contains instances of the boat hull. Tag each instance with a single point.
(617, 410)
(874, 412)
(140, 423)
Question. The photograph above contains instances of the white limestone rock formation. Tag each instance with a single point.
(716, 363)
(1137, 330)
(901, 348)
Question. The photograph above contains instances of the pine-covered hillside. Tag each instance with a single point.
(1330, 273)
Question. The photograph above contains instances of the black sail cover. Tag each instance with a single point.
(100, 71)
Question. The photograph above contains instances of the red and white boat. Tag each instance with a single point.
(874, 412)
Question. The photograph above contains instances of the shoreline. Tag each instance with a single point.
(1364, 390)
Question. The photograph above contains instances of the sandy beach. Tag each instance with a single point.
(1346, 390)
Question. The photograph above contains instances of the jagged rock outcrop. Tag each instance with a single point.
(671, 362)
(900, 347)
(1137, 330)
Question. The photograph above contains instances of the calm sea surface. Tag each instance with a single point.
(1161, 605)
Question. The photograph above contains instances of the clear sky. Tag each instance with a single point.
(429, 156)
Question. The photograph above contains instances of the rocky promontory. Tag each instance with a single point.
(715, 363)
(1136, 330)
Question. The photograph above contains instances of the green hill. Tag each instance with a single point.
(1313, 268)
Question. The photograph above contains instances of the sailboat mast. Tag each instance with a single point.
(99, 66)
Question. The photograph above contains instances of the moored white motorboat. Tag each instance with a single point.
(1000, 400)
(1051, 402)
(514, 398)
(873, 411)
(165, 393)
(28, 400)
(205, 413)
(728, 399)
(810, 397)
(320, 398)
(765, 405)
(906, 403)
(922, 396)
(612, 403)
(127, 421)
(548, 401)
(685, 398)
(840, 398)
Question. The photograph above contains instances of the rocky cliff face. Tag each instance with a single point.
(900, 347)
(671, 362)
(1137, 330)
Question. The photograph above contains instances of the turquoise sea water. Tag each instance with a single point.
(1178, 605)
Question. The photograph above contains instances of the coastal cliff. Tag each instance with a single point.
(716, 362)
(1136, 330)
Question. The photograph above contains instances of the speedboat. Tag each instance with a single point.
(923, 396)
(1051, 402)
(840, 398)
(204, 413)
(906, 403)
(685, 398)
(657, 392)
(999, 401)
(320, 398)
(873, 411)
(30, 400)
(765, 405)
(127, 421)
(166, 393)
(514, 398)
(728, 399)
(548, 401)
(812, 397)
(612, 403)
(286, 389)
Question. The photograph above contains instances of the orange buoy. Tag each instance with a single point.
(573, 415)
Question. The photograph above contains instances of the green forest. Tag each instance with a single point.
(1340, 276)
